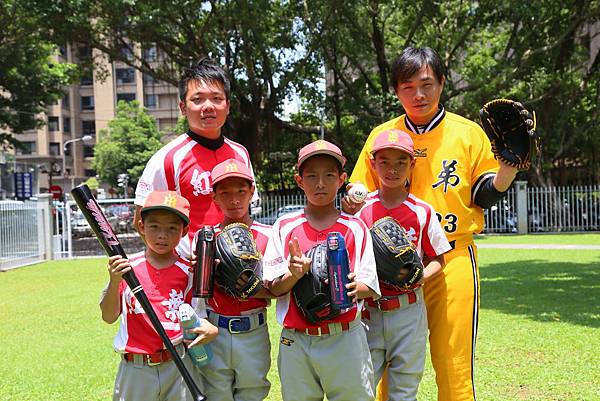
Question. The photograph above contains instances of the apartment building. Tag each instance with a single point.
(86, 108)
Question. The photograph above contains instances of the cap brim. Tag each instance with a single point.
(233, 175)
(403, 149)
(326, 152)
(183, 217)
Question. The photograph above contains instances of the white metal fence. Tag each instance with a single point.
(25, 233)
(34, 231)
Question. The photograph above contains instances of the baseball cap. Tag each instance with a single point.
(168, 200)
(320, 147)
(230, 168)
(394, 138)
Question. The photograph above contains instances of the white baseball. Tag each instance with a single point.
(358, 193)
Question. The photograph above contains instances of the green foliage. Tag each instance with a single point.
(538, 52)
(30, 77)
(131, 139)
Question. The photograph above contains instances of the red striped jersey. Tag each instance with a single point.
(360, 255)
(225, 304)
(166, 289)
(184, 166)
(418, 219)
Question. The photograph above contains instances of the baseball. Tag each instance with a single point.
(358, 193)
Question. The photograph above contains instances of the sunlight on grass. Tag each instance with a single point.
(538, 338)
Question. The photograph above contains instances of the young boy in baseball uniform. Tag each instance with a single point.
(397, 322)
(332, 358)
(146, 371)
(242, 350)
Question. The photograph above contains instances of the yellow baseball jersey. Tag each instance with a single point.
(452, 160)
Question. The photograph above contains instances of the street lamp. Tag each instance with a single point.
(84, 138)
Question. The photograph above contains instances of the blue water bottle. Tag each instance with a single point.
(339, 268)
(200, 354)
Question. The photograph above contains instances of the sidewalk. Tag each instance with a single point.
(536, 246)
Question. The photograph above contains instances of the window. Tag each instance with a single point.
(125, 75)
(66, 124)
(128, 97)
(88, 151)
(88, 127)
(126, 53)
(53, 124)
(87, 79)
(54, 149)
(149, 53)
(84, 52)
(65, 101)
(87, 102)
(26, 148)
(89, 172)
(148, 79)
(151, 101)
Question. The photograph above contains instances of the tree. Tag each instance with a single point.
(30, 77)
(539, 52)
(125, 148)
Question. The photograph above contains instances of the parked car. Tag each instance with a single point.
(270, 217)
(122, 215)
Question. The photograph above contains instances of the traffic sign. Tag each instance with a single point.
(56, 191)
(23, 185)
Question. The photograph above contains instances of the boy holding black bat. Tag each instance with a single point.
(242, 350)
(146, 371)
(329, 355)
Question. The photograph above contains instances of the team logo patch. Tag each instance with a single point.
(447, 176)
(286, 341)
(421, 152)
(170, 200)
(320, 145)
(392, 137)
(231, 167)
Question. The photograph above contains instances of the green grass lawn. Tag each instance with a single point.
(538, 339)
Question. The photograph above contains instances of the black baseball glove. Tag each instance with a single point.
(398, 262)
(311, 292)
(511, 129)
(239, 271)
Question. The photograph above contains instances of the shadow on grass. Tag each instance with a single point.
(543, 291)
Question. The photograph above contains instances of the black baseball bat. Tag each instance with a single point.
(109, 241)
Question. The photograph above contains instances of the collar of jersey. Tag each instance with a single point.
(212, 144)
(423, 129)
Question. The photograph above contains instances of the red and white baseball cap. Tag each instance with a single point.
(230, 168)
(394, 138)
(168, 200)
(320, 147)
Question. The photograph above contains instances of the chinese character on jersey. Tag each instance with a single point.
(447, 176)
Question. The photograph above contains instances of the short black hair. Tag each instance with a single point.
(412, 59)
(337, 163)
(204, 70)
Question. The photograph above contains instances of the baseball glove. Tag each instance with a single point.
(239, 262)
(398, 262)
(511, 129)
(311, 292)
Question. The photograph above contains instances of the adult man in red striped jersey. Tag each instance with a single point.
(184, 164)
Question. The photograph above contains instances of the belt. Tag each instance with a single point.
(331, 328)
(238, 324)
(397, 302)
(153, 359)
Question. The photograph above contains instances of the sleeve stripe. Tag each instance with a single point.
(480, 182)
(169, 165)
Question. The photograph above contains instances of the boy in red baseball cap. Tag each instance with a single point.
(329, 358)
(242, 350)
(146, 371)
(397, 322)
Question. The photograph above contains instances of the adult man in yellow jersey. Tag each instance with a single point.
(457, 174)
